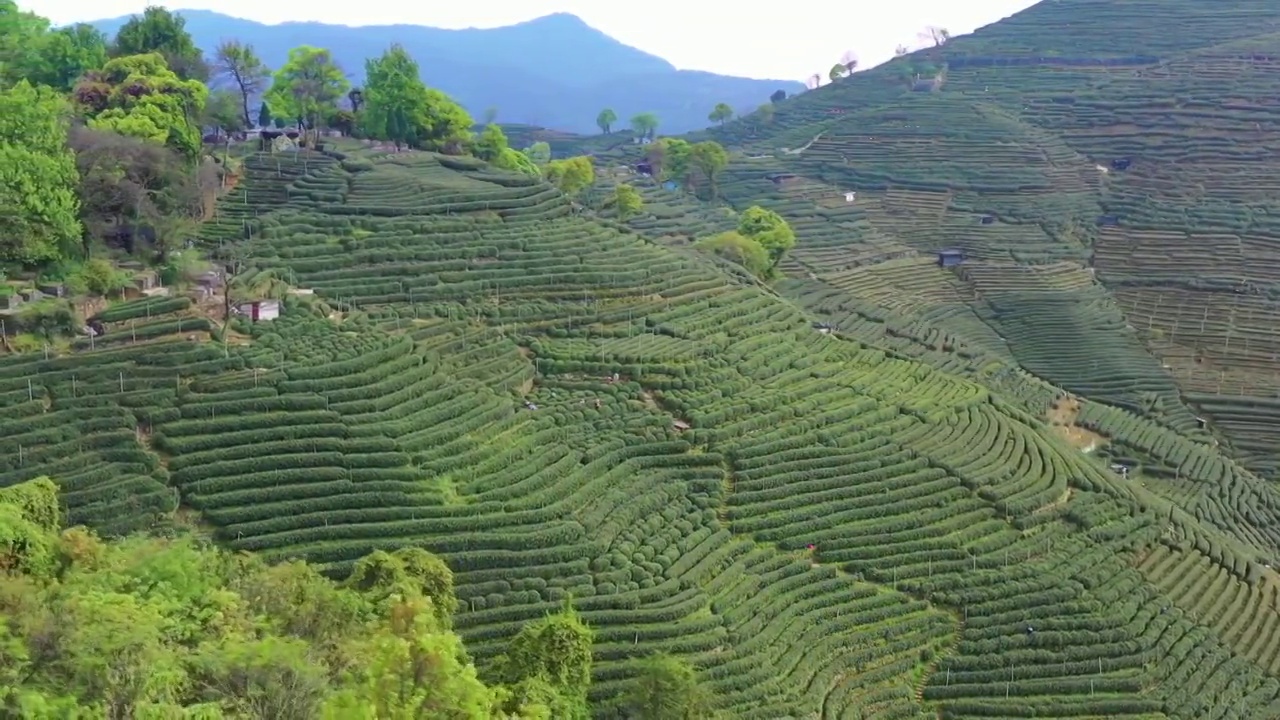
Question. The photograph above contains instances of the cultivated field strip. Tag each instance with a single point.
(87, 418)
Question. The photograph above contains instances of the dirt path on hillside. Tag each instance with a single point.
(806, 146)
(1062, 417)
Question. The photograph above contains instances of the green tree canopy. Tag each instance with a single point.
(174, 628)
(627, 201)
(721, 113)
(157, 30)
(739, 249)
(415, 669)
(30, 51)
(224, 110)
(666, 688)
(539, 153)
(709, 159)
(128, 182)
(645, 124)
(69, 53)
(491, 143)
(399, 107)
(308, 86)
(770, 230)
(549, 663)
(670, 158)
(20, 38)
(140, 96)
(39, 209)
(606, 119)
(571, 175)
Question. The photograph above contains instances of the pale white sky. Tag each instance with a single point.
(788, 40)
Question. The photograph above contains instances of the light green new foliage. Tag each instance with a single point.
(138, 95)
(769, 229)
(39, 209)
(399, 107)
(571, 175)
(416, 669)
(492, 145)
(627, 201)
(24, 546)
(269, 677)
(735, 247)
(539, 152)
(307, 85)
(408, 572)
(158, 629)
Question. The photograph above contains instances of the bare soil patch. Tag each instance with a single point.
(1062, 417)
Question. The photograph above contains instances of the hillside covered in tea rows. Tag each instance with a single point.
(563, 409)
(872, 487)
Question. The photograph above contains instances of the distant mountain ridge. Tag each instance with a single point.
(510, 68)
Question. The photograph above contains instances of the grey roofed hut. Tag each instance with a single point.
(950, 257)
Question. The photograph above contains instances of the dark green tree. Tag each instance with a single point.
(161, 31)
(667, 688)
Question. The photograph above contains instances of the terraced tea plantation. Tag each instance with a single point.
(1109, 184)
(824, 527)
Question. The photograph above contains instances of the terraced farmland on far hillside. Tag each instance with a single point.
(1130, 160)
(562, 409)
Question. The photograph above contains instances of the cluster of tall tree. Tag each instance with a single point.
(761, 240)
(696, 165)
(147, 627)
(105, 144)
(644, 125)
(104, 141)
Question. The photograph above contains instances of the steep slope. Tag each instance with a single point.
(824, 527)
(491, 68)
(1108, 176)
